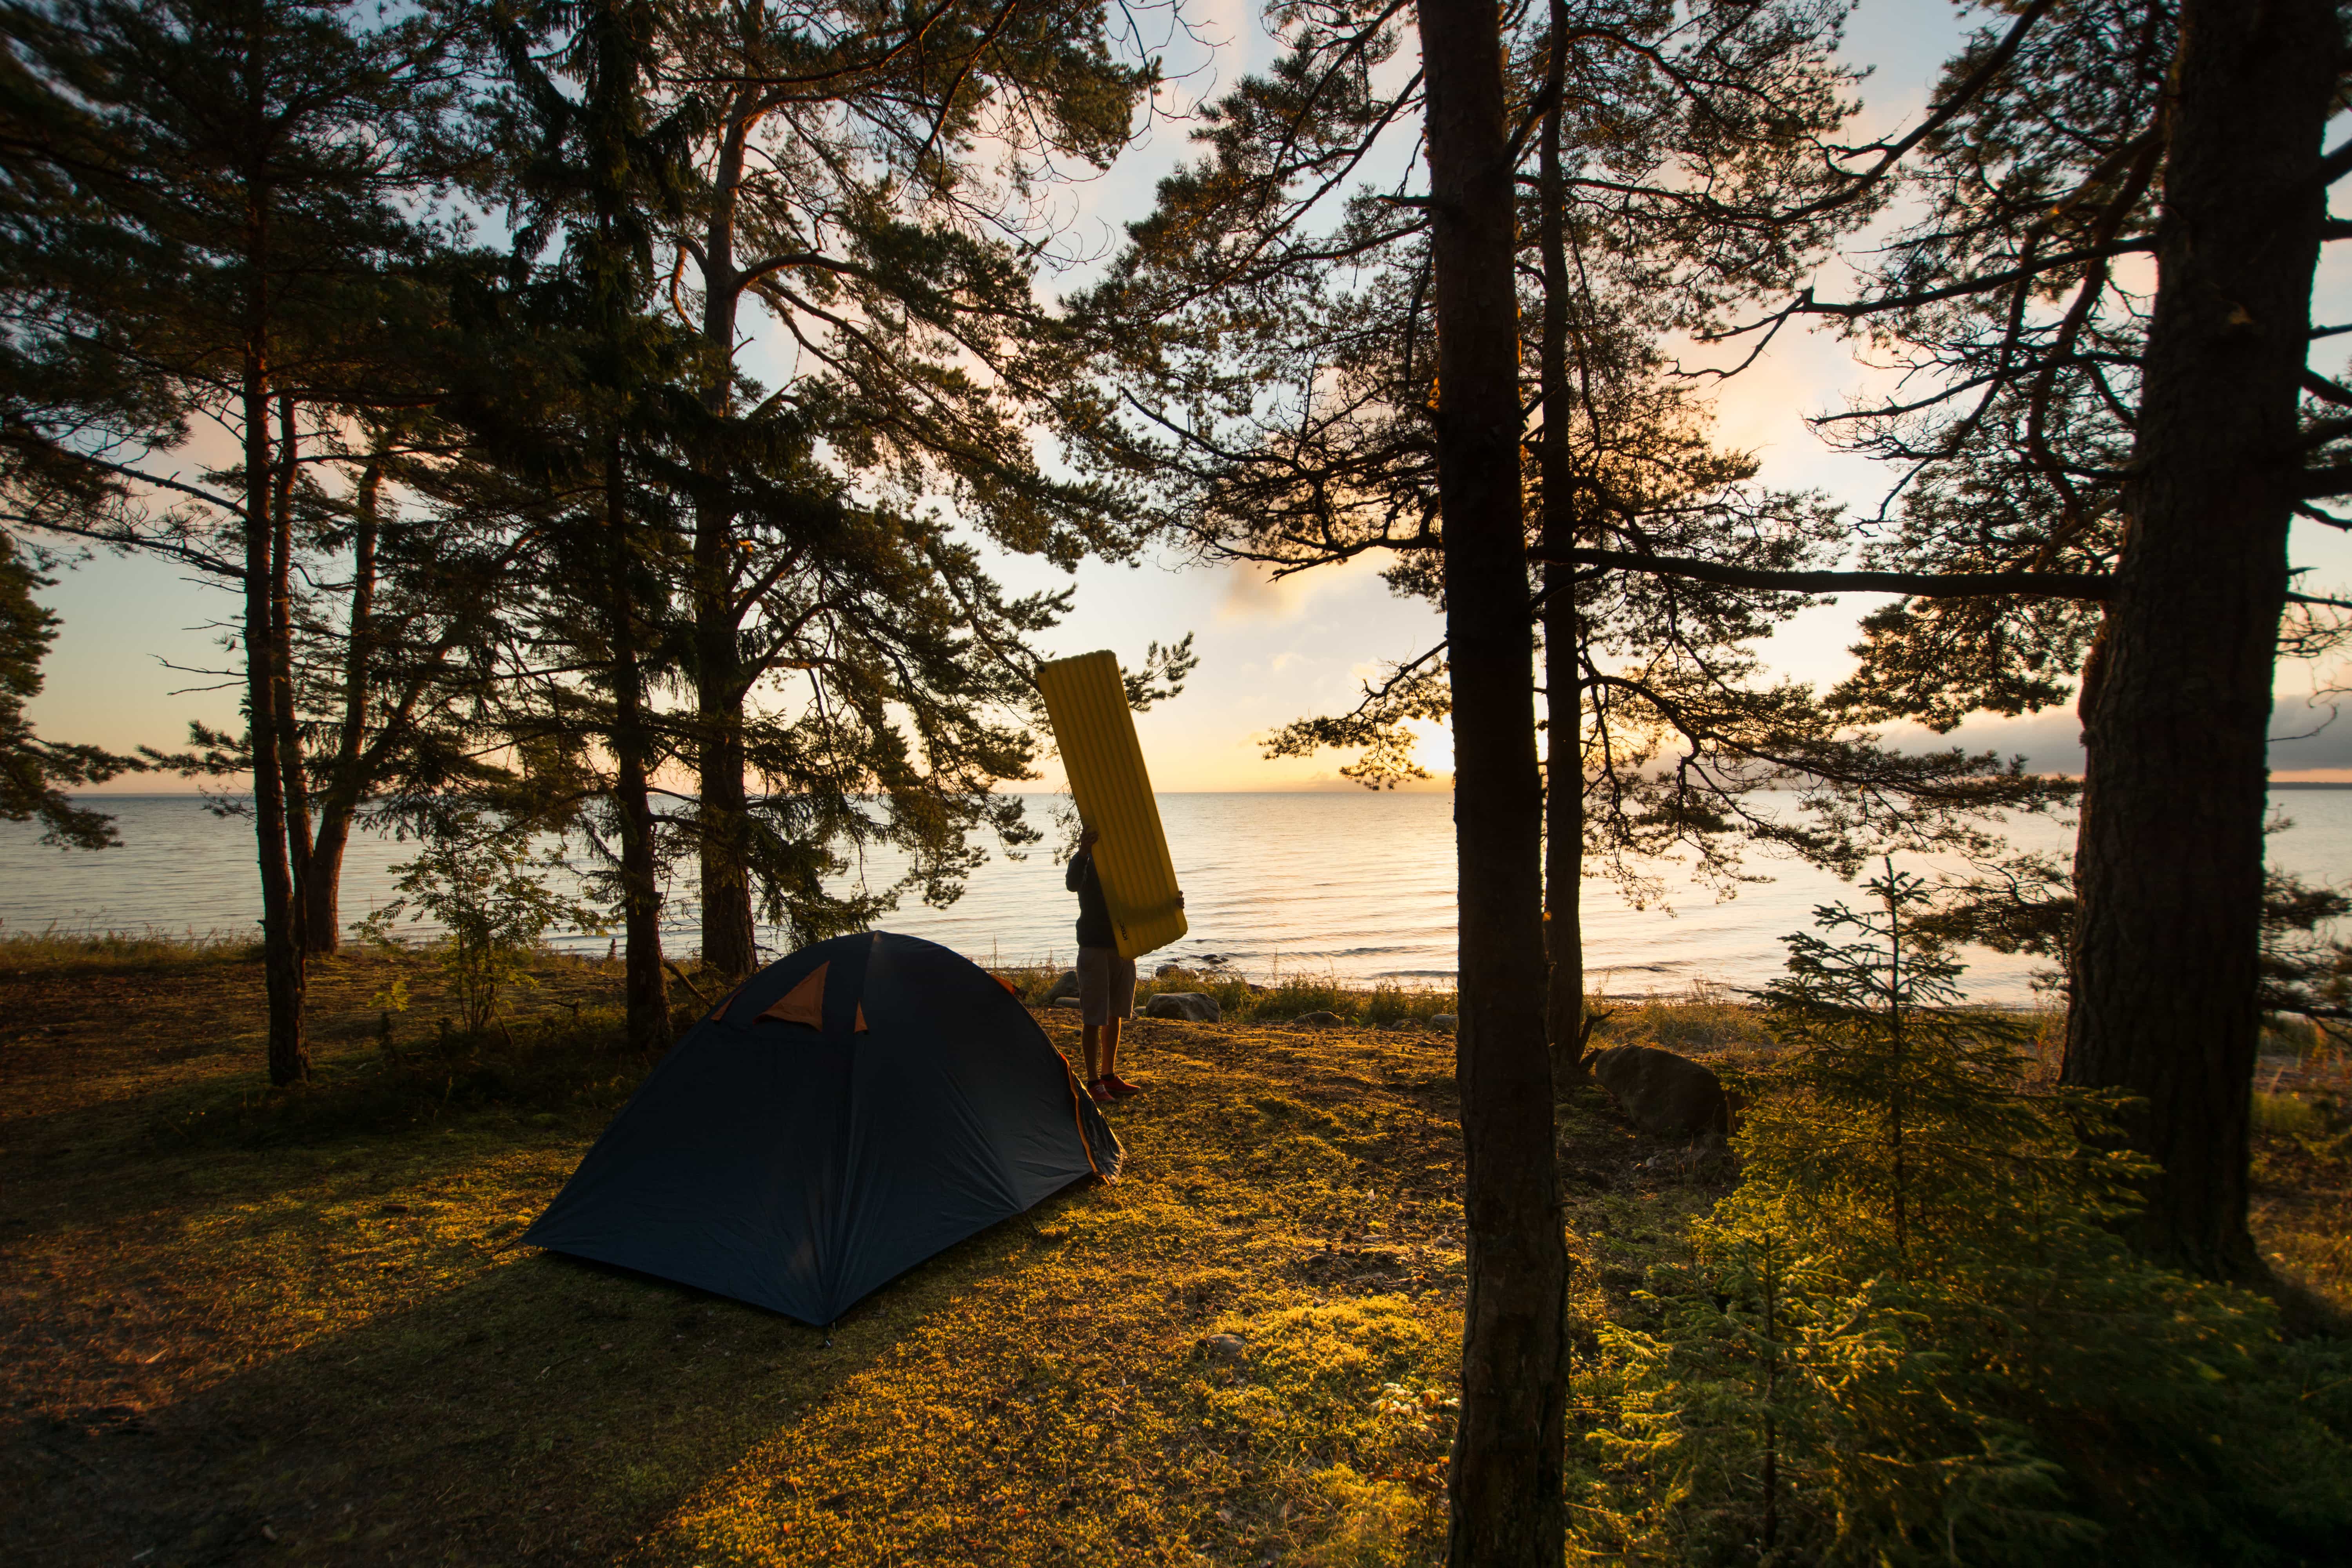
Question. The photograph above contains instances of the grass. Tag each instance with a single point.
(52, 948)
(1239, 1001)
(2301, 1205)
(1702, 1021)
(236, 1321)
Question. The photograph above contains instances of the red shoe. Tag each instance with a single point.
(1100, 1091)
(1119, 1085)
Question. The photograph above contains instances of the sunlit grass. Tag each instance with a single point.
(308, 1301)
(225, 1307)
(1287, 996)
(54, 947)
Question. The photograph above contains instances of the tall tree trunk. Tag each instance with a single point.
(730, 939)
(1507, 1454)
(2176, 703)
(281, 937)
(1563, 684)
(323, 890)
(281, 654)
(644, 989)
(281, 933)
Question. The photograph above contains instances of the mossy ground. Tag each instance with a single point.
(239, 1324)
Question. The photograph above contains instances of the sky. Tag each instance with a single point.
(136, 635)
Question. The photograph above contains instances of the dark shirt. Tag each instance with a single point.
(1094, 913)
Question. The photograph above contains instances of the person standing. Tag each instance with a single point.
(1106, 980)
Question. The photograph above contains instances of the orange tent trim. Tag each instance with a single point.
(805, 1002)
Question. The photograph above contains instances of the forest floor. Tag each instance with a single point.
(242, 1325)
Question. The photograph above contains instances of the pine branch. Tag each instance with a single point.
(2082, 585)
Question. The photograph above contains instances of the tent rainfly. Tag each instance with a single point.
(846, 1113)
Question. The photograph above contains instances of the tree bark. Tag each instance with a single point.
(322, 903)
(729, 938)
(281, 657)
(1563, 684)
(281, 933)
(645, 988)
(1507, 1455)
(2177, 698)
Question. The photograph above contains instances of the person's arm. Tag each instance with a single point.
(1074, 879)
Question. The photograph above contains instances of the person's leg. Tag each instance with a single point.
(1122, 1006)
(1109, 1051)
(1098, 1029)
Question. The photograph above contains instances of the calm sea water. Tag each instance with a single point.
(1357, 886)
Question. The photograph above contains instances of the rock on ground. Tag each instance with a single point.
(1664, 1094)
(1067, 985)
(1320, 1019)
(1192, 1006)
(1445, 1021)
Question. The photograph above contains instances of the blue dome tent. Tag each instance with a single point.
(848, 1113)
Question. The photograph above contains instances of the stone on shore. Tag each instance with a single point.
(1663, 1094)
(1067, 1002)
(1192, 1006)
(1067, 985)
(1319, 1019)
(1445, 1021)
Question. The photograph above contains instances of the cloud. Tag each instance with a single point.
(1253, 593)
(2308, 739)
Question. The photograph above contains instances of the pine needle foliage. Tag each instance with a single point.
(1904, 1112)
(1912, 1335)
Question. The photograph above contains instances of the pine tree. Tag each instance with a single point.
(860, 195)
(1286, 363)
(211, 207)
(1274, 337)
(2057, 451)
(1919, 1112)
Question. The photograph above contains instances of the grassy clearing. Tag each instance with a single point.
(238, 1324)
(296, 1330)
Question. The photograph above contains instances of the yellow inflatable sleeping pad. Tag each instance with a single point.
(1086, 702)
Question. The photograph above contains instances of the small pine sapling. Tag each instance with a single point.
(1902, 1116)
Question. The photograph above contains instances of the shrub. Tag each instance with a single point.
(1910, 1335)
(482, 884)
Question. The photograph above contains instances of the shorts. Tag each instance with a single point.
(1106, 986)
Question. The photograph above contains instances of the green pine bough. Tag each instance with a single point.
(1911, 1334)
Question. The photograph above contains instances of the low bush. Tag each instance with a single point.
(2285, 1115)
(485, 886)
(1910, 1335)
